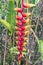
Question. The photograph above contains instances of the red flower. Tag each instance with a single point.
(23, 27)
(25, 5)
(23, 21)
(19, 56)
(20, 43)
(20, 48)
(26, 14)
(18, 38)
(19, 33)
(22, 38)
(18, 28)
(23, 32)
(19, 23)
(18, 10)
(18, 17)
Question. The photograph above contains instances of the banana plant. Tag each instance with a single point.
(10, 21)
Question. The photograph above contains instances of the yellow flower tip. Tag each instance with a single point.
(16, 21)
(16, 8)
(25, 44)
(26, 33)
(24, 49)
(16, 47)
(16, 37)
(22, 55)
(28, 14)
(19, 61)
(31, 5)
(16, 42)
(15, 27)
(25, 38)
(27, 20)
(27, 27)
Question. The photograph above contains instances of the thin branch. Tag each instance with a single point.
(4, 60)
(35, 35)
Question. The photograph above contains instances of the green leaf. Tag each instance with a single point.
(19, 1)
(11, 14)
(0, 5)
(6, 24)
(15, 51)
(36, 1)
(33, 1)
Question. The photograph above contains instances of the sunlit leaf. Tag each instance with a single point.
(6, 24)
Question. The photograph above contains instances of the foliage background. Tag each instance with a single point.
(7, 56)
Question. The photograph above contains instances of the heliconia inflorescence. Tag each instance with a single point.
(22, 28)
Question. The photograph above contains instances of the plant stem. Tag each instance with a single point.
(4, 60)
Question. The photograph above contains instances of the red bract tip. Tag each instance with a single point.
(19, 58)
(19, 29)
(22, 38)
(24, 14)
(22, 32)
(25, 5)
(23, 21)
(18, 18)
(20, 53)
(19, 23)
(23, 27)
(20, 48)
(18, 10)
(19, 33)
(18, 38)
(20, 43)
